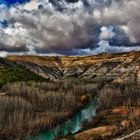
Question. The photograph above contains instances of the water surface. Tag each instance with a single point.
(73, 125)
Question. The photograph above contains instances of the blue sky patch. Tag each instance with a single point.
(11, 2)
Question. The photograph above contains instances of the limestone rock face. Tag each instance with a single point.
(118, 67)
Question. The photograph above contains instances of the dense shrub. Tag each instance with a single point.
(12, 72)
(118, 95)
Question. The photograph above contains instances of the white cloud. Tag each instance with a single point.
(32, 5)
(105, 34)
(48, 30)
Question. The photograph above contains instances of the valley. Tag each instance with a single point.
(56, 88)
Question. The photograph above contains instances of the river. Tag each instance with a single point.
(73, 125)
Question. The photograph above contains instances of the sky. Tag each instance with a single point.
(69, 27)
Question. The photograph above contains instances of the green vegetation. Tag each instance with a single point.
(12, 72)
(71, 137)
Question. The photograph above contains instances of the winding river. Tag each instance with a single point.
(73, 125)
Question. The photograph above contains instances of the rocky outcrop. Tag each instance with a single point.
(92, 134)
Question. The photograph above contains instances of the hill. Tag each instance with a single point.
(13, 72)
(118, 67)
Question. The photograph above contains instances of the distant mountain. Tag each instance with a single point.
(12, 72)
(117, 67)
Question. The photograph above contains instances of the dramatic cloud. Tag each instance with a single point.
(64, 27)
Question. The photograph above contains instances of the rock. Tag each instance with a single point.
(120, 111)
(124, 123)
(134, 111)
(102, 131)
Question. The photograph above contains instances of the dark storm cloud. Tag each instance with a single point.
(8, 48)
(121, 38)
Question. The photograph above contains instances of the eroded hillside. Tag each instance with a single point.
(117, 67)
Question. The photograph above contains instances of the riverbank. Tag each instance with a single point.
(72, 125)
(61, 117)
(117, 114)
(109, 124)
